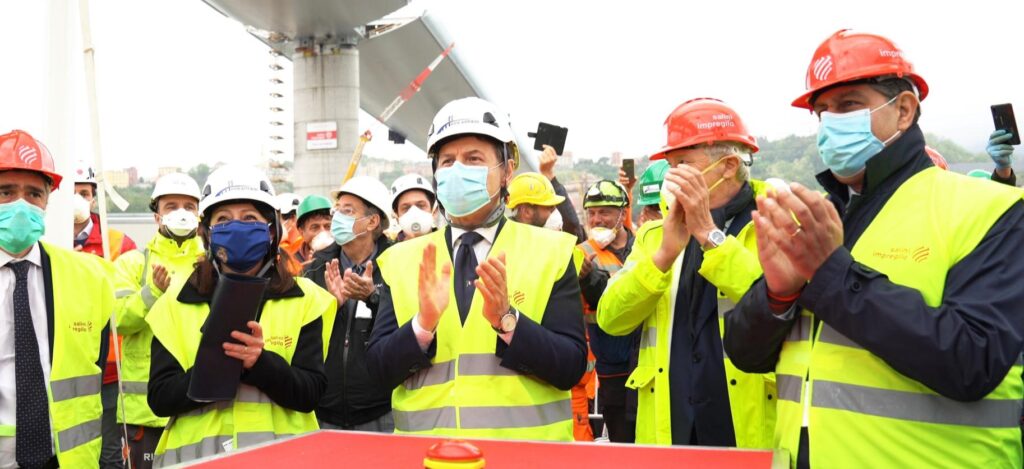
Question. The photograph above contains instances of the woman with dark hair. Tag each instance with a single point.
(282, 375)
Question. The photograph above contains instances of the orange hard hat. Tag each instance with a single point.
(703, 120)
(19, 150)
(848, 56)
(936, 157)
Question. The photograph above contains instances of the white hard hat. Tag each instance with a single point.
(84, 173)
(176, 184)
(409, 182)
(471, 116)
(287, 203)
(237, 182)
(370, 190)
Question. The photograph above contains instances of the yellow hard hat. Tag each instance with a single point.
(532, 188)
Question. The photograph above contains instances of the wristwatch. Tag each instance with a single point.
(715, 238)
(508, 322)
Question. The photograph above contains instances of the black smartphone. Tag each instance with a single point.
(549, 134)
(1002, 115)
(629, 167)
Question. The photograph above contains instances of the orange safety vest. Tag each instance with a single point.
(586, 389)
(582, 393)
(603, 259)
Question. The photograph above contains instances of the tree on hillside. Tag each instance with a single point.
(952, 152)
(200, 172)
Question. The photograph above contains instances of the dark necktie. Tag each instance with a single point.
(465, 272)
(32, 447)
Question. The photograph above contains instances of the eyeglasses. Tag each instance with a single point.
(348, 211)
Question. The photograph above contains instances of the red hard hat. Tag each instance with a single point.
(703, 120)
(18, 150)
(936, 157)
(847, 56)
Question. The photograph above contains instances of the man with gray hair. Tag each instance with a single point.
(680, 280)
(353, 400)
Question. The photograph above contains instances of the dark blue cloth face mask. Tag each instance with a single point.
(240, 245)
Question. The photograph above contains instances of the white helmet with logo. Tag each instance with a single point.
(84, 174)
(471, 116)
(407, 183)
(176, 184)
(237, 182)
(288, 203)
(370, 190)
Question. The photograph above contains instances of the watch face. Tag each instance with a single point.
(717, 237)
(508, 322)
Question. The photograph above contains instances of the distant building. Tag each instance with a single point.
(278, 172)
(119, 179)
(565, 161)
(167, 170)
(133, 175)
(616, 158)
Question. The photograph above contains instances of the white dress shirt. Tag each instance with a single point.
(37, 302)
(481, 249)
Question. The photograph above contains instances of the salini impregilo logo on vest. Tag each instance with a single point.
(918, 254)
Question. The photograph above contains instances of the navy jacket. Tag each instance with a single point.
(701, 413)
(352, 397)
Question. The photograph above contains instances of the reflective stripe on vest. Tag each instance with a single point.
(649, 338)
(925, 408)
(484, 417)
(470, 364)
(207, 446)
(788, 387)
(80, 386)
(135, 387)
(79, 435)
(68, 439)
(801, 330)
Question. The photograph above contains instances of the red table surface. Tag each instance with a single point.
(328, 448)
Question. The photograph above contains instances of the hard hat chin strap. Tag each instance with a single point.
(492, 218)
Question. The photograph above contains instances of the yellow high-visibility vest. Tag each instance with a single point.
(640, 294)
(862, 412)
(252, 418)
(466, 392)
(83, 300)
(133, 287)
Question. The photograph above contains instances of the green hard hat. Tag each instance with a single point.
(650, 183)
(606, 193)
(313, 203)
(980, 173)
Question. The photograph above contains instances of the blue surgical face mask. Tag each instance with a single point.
(240, 245)
(462, 189)
(342, 228)
(21, 225)
(846, 143)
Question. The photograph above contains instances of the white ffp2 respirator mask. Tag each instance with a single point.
(82, 208)
(554, 221)
(416, 222)
(180, 222)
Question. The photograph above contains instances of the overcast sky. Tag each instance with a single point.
(179, 84)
